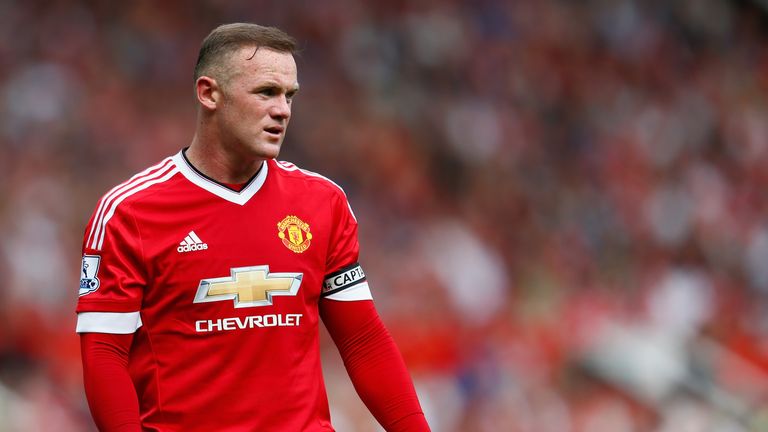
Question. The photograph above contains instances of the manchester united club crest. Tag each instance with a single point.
(294, 233)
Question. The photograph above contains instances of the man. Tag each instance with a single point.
(204, 277)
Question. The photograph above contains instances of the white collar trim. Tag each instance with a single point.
(220, 191)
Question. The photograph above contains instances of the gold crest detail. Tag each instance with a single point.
(294, 233)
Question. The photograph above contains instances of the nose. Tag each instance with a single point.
(281, 108)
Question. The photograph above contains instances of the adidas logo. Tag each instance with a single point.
(191, 243)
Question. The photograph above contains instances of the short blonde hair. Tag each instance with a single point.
(228, 38)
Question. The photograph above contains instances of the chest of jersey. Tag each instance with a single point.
(216, 266)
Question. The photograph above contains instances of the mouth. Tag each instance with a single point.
(274, 130)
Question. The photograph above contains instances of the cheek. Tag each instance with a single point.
(254, 111)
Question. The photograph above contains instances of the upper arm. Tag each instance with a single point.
(112, 272)
(344, 278)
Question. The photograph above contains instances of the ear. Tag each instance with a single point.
(208, 92)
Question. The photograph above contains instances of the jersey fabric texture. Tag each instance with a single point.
(221, 290)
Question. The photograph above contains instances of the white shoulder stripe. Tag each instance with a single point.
(288, 166)
(168, 174)
(119, 188)
(108, 201)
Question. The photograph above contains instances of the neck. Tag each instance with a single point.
(213, 160)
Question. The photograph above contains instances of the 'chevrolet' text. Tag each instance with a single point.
(249, 322)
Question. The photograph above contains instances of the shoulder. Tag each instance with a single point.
(315, 182)
(119, 199)
(146, 182)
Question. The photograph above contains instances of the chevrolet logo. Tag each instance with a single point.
(248, 287)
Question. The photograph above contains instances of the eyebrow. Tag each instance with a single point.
(271, 83)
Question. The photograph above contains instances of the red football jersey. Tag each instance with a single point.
(221, 289)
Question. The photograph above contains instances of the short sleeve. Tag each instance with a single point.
(112, 274)
(344, 277)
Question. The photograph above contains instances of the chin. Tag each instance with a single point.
(267, 150)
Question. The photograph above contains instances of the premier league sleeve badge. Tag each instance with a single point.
(89, 282)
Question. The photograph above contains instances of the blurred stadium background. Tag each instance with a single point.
(563, 203)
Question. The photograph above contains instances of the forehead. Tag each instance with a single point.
(264, 65)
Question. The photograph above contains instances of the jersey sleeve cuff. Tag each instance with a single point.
(108, 322)
(360, 291)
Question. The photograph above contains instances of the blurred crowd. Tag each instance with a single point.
(562, 204)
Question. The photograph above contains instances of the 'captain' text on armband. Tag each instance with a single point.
(249, 322)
